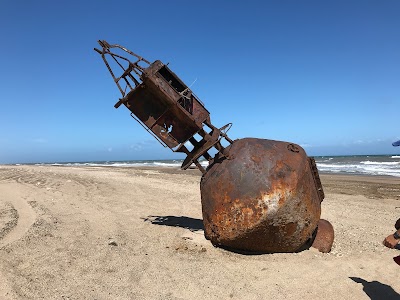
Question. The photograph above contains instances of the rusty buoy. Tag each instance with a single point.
(264, 198)
(257, 195)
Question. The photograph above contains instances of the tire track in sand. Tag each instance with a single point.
(12, 193)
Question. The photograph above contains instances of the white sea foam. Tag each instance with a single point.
(127, 164)
(388, 165)
(377, 168)
(380, 162)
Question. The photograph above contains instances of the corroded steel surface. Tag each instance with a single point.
(263, 199)
(324, 236)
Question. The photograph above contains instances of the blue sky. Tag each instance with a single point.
(323, 74)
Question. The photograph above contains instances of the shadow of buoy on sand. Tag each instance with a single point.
(183, 222)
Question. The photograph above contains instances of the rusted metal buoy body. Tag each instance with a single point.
(264, 198)
(257, 195)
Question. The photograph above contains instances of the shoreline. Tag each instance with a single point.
(357, 165)
(170, 169)
(332, 182)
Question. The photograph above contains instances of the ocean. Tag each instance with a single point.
(387, 165)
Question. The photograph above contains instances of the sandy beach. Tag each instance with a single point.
(130, 233)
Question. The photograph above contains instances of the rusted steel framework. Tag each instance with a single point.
(163, 104)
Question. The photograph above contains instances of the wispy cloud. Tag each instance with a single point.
(39, 140)
(367, 142)
(359, 142)
(306, 145)
(142, 145)
(136, 147)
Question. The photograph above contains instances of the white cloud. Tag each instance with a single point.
(142, 145)
(358, 142)
(306, 145)
(136, 147)
(365, 142)
(39, 140)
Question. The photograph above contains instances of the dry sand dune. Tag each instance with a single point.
(114, 233)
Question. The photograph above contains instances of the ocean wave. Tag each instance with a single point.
(388, 165)
(363, 169)
(127, 164)
(380, 163)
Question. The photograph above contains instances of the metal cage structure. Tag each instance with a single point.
(162, 103)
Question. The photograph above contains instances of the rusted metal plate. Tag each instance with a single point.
(262, 200)
(324, 236)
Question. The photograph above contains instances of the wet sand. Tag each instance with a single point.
(130, 233)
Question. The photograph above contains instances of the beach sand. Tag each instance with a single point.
(129, 233)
